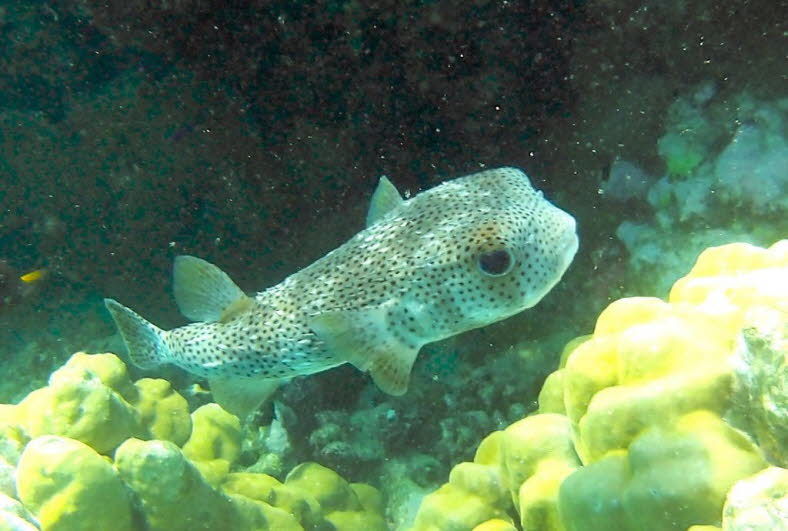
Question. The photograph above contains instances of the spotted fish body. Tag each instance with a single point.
(467, 253)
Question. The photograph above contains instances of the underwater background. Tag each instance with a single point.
(252, 134)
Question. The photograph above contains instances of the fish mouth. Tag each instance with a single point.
(570, 250)
(568, 244)
(569, 239)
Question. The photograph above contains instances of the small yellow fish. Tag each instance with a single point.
(33, 276)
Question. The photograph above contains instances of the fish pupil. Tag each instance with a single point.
(495, 263)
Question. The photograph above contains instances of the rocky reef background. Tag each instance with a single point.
(252, 135)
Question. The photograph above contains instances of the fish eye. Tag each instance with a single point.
(496, 263)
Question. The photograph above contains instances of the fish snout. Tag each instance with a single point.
(568, 241)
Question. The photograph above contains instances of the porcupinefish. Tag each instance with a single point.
(464, 254)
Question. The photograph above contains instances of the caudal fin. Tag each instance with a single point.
(144, 341)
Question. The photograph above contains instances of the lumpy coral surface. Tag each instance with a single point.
(663, 419)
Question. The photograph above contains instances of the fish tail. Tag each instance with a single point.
(144, 341)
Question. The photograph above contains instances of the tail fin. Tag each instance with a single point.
(144, 341)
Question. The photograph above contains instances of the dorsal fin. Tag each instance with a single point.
(362, 338)
(385, 199)
(204, 292)
(235, 308)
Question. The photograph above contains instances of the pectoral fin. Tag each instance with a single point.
(391, 370)
(363, 338)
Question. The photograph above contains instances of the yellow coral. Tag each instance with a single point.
(264, 488)
(530, 442)
(68, 486)
(163, 412)
(108, 368)
(669, 477)
(537, 454)
(369, 497)
(454, 509)
(538, 495)
(346, 507)
(172, 493)
(520, 467)
(735, 278)
(650, 378)
(91, 399)
(642, 403)
(78, 405)
(215, 441)
(551, 397)
(650, 362)
(496, 524)
(258, 515)
(483, 481)
(353, 520)
(315, 496)
(329, 489)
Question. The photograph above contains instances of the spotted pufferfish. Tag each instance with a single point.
(467, 253)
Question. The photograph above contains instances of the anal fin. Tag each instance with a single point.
(242, 396)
